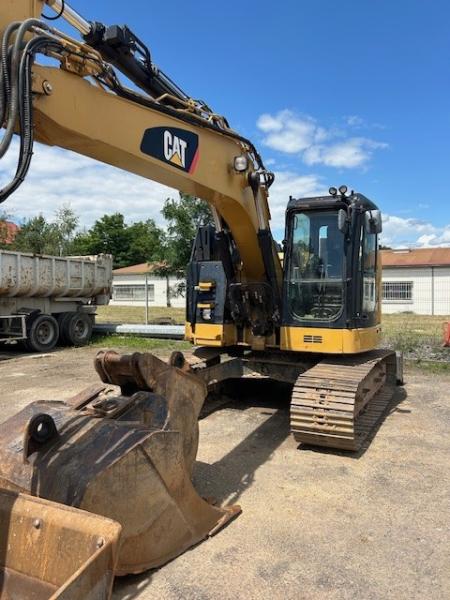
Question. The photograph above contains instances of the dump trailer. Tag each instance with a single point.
(46, 300)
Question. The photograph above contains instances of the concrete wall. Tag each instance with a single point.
(157, 296)
(430, 290)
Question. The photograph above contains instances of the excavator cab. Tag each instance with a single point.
(331, 266)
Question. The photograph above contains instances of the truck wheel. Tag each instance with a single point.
(62, 319)
(43, 333)
(76, 329)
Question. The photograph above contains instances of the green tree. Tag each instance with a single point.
(183, 216)
(146, 240)
(129, 244)
(108, 235)
(38, 236)
(66, 224)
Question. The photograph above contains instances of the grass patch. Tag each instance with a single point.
(135, 342)
(418, 336)
(429, 366)
(136, 314)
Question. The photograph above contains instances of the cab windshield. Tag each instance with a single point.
(315, 278)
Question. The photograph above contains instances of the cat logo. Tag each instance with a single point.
(174, 149)
(173, 146)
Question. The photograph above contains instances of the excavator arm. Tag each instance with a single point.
(158, 132)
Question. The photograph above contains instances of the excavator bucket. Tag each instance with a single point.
(49, 551)
(126, 454)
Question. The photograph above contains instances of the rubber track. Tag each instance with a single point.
(338, 402)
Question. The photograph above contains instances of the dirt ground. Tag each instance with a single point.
(315, 524)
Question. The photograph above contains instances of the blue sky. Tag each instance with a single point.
(331, 92)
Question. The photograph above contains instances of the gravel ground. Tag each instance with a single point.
(315, 524)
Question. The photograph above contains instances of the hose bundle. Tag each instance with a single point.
(16, 111)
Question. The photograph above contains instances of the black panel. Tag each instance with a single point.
(211, 261)
(213, 271)
(173, 146)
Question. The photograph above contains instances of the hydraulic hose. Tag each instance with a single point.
(5, 89)
(12, 94)
(16, 94)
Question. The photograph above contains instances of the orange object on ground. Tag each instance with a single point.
(447, 334)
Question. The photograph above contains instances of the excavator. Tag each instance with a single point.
(100, 484)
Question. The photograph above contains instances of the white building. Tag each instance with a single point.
(130, 284)
(417, 281)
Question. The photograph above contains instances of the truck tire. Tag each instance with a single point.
(62, 318)
(76, 328)
(42, 333)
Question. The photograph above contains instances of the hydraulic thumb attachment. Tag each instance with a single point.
(126, 454)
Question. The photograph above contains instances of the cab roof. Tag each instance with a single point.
(331, 202)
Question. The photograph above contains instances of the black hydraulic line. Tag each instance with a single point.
(25, 111)
(6, 79)
(122, 48)
(12, 81)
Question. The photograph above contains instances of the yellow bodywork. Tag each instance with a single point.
(329, 341)
(293, 339)
(211, 334)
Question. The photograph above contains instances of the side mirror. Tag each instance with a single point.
(342, 220)
(373, 222)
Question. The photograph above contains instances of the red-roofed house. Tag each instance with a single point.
(8, 231)
(416, 280)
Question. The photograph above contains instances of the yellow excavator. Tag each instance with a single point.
(123, 450)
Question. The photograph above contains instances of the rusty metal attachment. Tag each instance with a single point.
(124, 452)
(49, 551)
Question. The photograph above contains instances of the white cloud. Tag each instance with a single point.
(268, 123)
(316, 145)
(58, 177)
(400, 233)
(350, 153)
(354, 121)
(287, 133)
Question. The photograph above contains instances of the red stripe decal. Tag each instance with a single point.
(194, 162)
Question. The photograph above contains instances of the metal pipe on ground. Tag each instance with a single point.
(167, 332)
